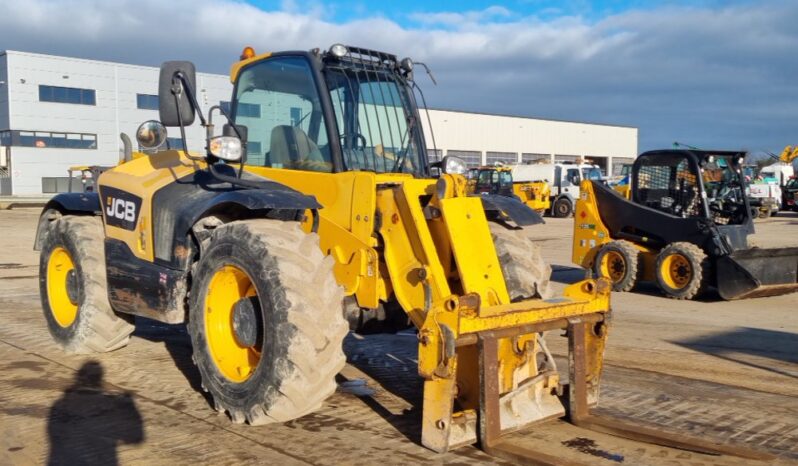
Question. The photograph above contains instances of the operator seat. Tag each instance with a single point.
(290, 147)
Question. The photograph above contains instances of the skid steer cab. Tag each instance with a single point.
(315, 212)
(684, 226)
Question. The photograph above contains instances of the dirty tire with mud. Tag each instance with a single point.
(526, 274)
(95, 328)
(299, 304)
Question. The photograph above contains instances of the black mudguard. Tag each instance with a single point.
(756, 272)
(66, 203)
(510, 209)
(177, 207)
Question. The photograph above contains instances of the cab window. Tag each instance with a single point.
(289, 126)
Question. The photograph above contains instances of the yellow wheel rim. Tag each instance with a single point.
(676, 271)
(613, 266)
(227, 286)
(63, 307)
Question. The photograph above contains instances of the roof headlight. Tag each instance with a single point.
(406, 64)
(339, 50)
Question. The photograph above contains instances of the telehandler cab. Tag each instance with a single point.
(685, 227)
(315, 206)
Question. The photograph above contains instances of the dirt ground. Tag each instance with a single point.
(723, 371)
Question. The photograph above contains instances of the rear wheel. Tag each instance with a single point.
(618, 261)
(525, 272)
(682, 269)
(266, 321)
(562, 208)
(72, 285)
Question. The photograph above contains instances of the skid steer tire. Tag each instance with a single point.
(266, 321)
(682, 270)
(618, 261)
(525, 272)
(72, 285)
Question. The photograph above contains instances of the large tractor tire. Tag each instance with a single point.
(682, 270)
(525, 272)
(266, 321)
(562, 208)
(618, 261)
(72, 285)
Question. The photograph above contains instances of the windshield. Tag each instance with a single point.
(505, 178)
(376, 120)
(591, 174)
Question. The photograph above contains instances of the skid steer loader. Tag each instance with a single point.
(316, 206)
(685, 227)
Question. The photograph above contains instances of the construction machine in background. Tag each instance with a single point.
(563, 179)
(266, 254)
(498, 179)
(685, 227)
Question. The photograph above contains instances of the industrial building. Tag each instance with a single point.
(56, 112)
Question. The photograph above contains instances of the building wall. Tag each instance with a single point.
(115, 85)
(498, 137)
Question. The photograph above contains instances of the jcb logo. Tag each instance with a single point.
(121, 207)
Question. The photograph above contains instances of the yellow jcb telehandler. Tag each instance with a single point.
(685, 226)
(316, 206)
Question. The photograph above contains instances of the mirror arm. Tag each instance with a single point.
(176, 91)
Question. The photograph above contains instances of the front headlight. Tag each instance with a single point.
(454, 165)
(226, 148)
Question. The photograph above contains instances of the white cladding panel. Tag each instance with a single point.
(498, 133)
(116, 87)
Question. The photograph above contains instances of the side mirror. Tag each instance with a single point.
(176, 91)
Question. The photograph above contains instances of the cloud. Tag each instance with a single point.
(449, 18)
(721, 77)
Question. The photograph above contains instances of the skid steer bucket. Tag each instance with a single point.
(755, 272)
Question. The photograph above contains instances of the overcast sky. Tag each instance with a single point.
(713, 74)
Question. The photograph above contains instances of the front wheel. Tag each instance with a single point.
(682, 270)
(266, 321)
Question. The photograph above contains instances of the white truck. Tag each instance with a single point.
(765, 189)
(563, 179)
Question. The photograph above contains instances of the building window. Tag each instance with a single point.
(470, 157)
(501, 157)
(175, 143)
(243, 109)
(535, 158)
(51, 140)
(566, 158)
(255, 154)
(67, 95)
(434, 155)
(60, 184)
(147, 101)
